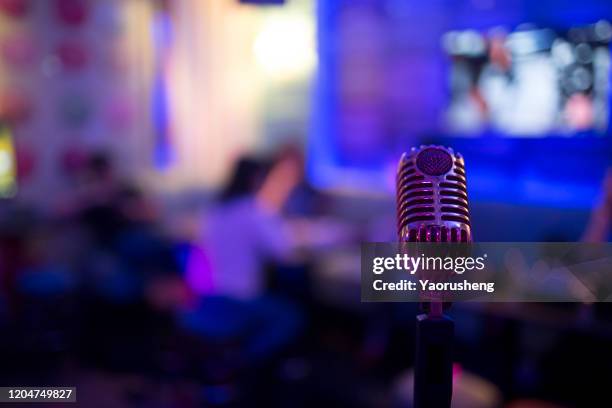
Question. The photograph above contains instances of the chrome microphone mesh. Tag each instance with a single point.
(432, 201)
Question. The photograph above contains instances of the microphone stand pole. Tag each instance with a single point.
(433, 377)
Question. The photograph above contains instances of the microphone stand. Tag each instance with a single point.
(433, 381)
(431, 198)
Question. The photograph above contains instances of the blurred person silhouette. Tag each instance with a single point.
(93, 199)
(246, 228)
(600, 222)
(241, 234)
(129, 273)
(93, 178)
(598, 230)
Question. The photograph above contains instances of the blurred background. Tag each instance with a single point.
(184, 186)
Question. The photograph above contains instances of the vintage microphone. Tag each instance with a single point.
(432, 206)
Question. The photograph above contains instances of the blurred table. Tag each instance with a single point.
(337, 281)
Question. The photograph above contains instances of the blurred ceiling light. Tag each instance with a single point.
(603, 30)
(284, 48)
(467, 42)
(562, 52)
(530, 41)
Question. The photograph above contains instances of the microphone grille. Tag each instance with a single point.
(434, 162)
(432, 202)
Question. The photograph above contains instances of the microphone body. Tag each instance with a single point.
(432, 206)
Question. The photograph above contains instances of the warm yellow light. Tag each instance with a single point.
(285, 46)
(7, 164)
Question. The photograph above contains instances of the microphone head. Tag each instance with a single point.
(432, 201)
